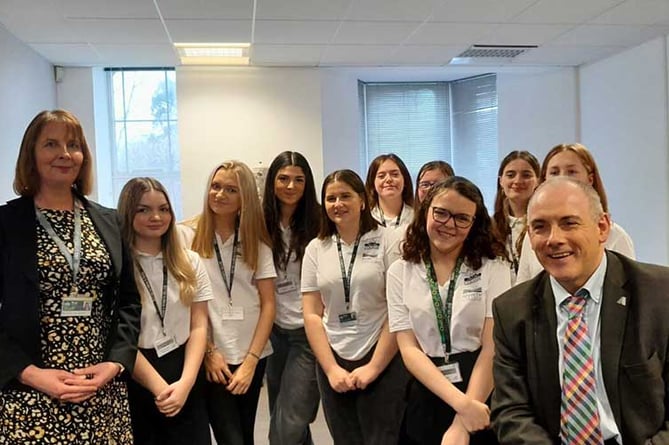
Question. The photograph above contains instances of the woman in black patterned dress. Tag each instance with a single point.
(69, 309)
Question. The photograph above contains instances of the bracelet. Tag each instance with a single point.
(210, 350)
(253, 354)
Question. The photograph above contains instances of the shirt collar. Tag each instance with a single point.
(594, 285)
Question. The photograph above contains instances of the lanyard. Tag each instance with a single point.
(163, 302)
(233, 261)
(512, 253)
(74, 258)
(346, 278)
(443, 314)
(383, 217)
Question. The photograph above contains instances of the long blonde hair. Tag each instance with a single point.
(251, 222)
(174, 253)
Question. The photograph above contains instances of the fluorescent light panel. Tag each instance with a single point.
(213, 53)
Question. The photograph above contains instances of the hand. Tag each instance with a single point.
(98, 375)
(216, 368)
(61, 385)
(242, 377)
(172, 399)
(364, 375)
(340, 379)
(456, 434)
(474, 415)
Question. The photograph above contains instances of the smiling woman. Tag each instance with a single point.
(69, 308)
(390, 191)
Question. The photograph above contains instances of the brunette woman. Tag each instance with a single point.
(390, 191)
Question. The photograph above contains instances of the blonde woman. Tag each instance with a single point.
(230, 237)
(166, 399)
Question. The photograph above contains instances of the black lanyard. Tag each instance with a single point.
(346, 278)
(233, 261)
(74, 258)
(383, 217)
(163, 302)
(443, 314)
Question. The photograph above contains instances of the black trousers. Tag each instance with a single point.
(428, 417)
(149, 426)
(233, 417)
(370, 416)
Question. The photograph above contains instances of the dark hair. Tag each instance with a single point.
(304, 222)
(479, 243)
(351, 178)
(26, 177)
(443, 166)
(407, 191)
(500, 224)
(588, 162)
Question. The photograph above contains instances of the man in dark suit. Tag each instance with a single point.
(626, 317)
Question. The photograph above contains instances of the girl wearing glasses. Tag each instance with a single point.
(440, 305)
(390, 191)
(360, 375)
(517, 178)
(428, 175)
(230, 237)
(166, 400)
(573, 160)
(291, 215)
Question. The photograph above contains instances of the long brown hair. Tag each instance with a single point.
(251, 222)
(373, 195)
(26, 178)
(174, 253)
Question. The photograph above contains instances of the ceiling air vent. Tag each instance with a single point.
(496, 51)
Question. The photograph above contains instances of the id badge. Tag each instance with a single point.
(164, 345)
(285, 286)
(452, 372)
(233, 313)
(76, 306)
(348, 318)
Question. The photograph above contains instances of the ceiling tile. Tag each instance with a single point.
(68, 54)
(188, 31)
(356, 54)
(636, 12)
(608, 35)
(479, 11)
(520, 34)
(295, 32)
(564, 11)
(118, 30)
(138, 55)
(109, 9)
(206, 9)
(286, 55)
(374, 33)
(414, 10)
(424, 55)
(565, 55)
(442, 33)
(301, 9)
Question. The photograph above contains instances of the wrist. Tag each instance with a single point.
(120, 368)
(253, 355)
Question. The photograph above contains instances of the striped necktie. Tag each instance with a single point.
(579, 416)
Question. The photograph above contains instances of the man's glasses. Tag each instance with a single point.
(461, 220)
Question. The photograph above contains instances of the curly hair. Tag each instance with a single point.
(479, 243)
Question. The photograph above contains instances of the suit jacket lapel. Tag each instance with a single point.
(546, 353)
(615, 301)
(23, 226)
(106, 224)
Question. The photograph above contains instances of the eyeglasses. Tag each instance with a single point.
(425, 185)
(461, 220)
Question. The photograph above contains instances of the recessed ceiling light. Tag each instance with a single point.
(213, 53)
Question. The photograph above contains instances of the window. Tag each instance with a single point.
(424, 121)
(143, 114)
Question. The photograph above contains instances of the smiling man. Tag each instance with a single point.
(581, 349)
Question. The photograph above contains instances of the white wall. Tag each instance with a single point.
(624, 123)
(250, 114)
(26, 87)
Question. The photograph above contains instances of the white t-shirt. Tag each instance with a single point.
(177, 316)
(289, 313)
(406, 216)
(529, 267)
(410, 303)
(233, 337)
(517, 225)
(321, 272)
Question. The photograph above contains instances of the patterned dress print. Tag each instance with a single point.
(71, 342)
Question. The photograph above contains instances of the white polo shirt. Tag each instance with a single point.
(321, 272)
(177, 315)
(406, 216)
(410, 303)
(289, 313)
(233, 337)
(529, 267)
